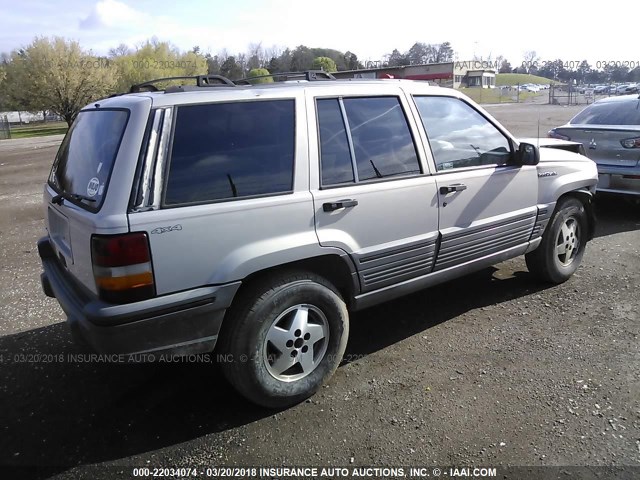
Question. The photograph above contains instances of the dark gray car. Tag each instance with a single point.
(609, 129)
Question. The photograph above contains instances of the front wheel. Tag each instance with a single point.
(563, 243)
(285, 338)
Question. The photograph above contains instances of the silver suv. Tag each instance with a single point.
(254, 218)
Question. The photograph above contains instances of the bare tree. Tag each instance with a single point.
(119, 51)
(530, 60)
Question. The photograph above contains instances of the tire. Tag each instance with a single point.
(563, 243)
(285, 337)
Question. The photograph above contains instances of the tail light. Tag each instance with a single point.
(122, 267)
(559, 136)
(631, 142)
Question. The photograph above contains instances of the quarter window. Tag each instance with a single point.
(231, 150)
(459, 136)
(382, 145)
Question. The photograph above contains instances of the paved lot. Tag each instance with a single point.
(492, 369)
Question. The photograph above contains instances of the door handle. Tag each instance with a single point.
(456, 187)
(331, 206)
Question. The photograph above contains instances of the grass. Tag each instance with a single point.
(495, 95)
(39, 130)
(512, 79)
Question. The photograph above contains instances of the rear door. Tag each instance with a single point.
(372, 195)
(487, 204)
(228, 191)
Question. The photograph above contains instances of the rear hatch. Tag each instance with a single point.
(97, 156)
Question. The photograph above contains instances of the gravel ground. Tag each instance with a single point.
(493, 369)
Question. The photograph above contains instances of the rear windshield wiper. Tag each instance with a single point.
(71, 196)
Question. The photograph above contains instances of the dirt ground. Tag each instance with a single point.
(493, 369)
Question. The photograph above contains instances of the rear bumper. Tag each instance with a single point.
(619, 180)
(181, 323)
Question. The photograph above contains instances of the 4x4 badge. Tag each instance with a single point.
(166, 229)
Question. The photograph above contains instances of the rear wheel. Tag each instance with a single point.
(286, 336)
(563, 243)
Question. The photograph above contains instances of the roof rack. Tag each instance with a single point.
(309, 75)
(201, 81)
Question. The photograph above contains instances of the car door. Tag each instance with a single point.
(372, 197)
(488, 204)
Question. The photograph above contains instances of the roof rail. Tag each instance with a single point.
(309, 75)
(201, 81)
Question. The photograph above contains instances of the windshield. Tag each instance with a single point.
(85, 158)
(610, 113)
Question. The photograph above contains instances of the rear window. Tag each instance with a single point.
(224, 151)
(609, 113)
(85, 159)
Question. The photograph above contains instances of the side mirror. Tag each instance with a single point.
(527, 154)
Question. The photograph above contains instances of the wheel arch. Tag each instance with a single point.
(585, 197)
(338, 269)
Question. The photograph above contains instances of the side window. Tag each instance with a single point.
(335, 157)
(459, 136)
(227, 150)
(378, 129)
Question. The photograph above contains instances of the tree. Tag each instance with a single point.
(397, 59)
(281, 63)
(260, 72)
(616, 73)
(4, 100)
(213, 64)
(418, 54)
(583, 71)
(324, 63)
(351, 61)
(231, 69)
(57, 75)
(119, 51)
(530, 60)
(505, 66)
(444, 53)
(154, 59)
(301, 59)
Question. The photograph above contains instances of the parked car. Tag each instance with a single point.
(609, 129)
(601, 89)
(254, 218)
(529, 87)
(621, 89)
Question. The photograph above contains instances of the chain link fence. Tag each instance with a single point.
(5, 128)
(575, 95)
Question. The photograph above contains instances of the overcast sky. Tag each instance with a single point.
(566, 30)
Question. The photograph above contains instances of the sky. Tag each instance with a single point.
(571, 31)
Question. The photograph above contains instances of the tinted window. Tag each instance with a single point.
(227, 150)
(86, 156)
(335, 157)
(460, 136)
(381, 138)
(610, 113)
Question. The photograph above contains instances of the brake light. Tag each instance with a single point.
(631, 142)
(122, 267)
(559, 136)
